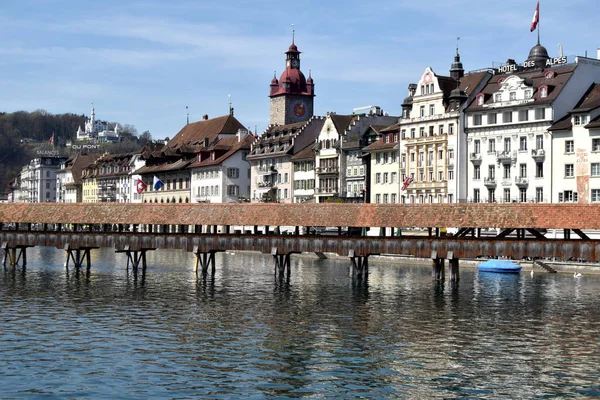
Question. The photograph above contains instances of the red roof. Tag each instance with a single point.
(196, 132)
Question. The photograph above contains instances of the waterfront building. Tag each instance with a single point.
(170, 163)
(576, 152)
(97, 130)
(37, 182)
(271, 159)
(338, 152)
(430, 134)
(110, 179)
(304, 174)
(509, 146)
(292, 128)
(384, 165)
(69, 183)
(220, 172)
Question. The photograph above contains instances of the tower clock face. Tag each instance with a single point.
(295, 63)
(299, 108)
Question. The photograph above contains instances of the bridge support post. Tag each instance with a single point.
(453, 267)
(79, 256)
(14, 255)
(438, 267)
(282, 263)
(360, 265)
(135, 257)
(205, 259)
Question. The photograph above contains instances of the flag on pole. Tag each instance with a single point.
(157, 183)
(536, 17)
(407, 182)
(51, 141)
(140, 186)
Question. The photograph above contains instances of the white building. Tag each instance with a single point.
(97, 130)
(38, 180)
(220, 173)
(384, 167)
(508, 144)
(576, 152)
(69, 179)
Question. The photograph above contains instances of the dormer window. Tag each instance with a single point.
(480, 99)
(543, 91)
(527, 94)
(500, 80)
(212, 155)
(498, 98)
(512, 96)
(577, 120)
(550, 74)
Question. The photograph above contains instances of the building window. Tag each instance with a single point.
(569, 171)
(422, 131)
(394, 198)
(507, 117)
(498, 98)
(378, 198)
(539, 142)
(394, 177)
(477, 119)
(378, 158)
(491, 172)
(431, 109)
(522, 195)
(385, 178)
(386, 158)
(233, 173)
(523, 115)
(506, 144)
(507, 195)
(477, 172)
(394, 157)
(385, 198)
(378, 177)
(480, 99)
(523, 170)
(568, 196)
(540, 113)
(440, 176)
(528, 94)
(569, 147)
(506, 171)
(491, 145)
(595, 144)
(403, 134)
(543, 92)
(233, 190)
(595, 195)
(450, 175)
(412, 133)
(450, 129)
(523, 143)
(440, 129)
(512, 96)
(539, 194)
(491, 119)
(577, 120)
(595, 169)
(431, 128)
(539, 170)
(476, 197)
(491, 195)
(422, 111)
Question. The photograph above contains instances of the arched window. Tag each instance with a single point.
(162, 200)
(173, 200)
(187, 200)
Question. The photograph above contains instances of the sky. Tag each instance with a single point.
(142, 62)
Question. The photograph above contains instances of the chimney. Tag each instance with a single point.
(205, 117)
(241, 134)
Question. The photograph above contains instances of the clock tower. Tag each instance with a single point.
(292, 96)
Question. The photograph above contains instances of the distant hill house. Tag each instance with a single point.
(97, 131)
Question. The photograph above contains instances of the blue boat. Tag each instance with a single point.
(501, 266)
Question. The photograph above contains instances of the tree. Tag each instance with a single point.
(127, 131)
(145, 138)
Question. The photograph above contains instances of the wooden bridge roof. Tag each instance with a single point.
(479, 215)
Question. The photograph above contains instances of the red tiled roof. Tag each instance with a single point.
(194, 133)
(229, 145)
(470, 215)
(305, 154)
(342, 122)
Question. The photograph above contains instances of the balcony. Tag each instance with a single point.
(327, 190)
(506, 182)
(266, 170)
(538, 154)
(521, 181)
(352, 195)
(432, 185)
(327, 170)
(265, 184)
(475, 158)
(489, 182)
(506, 156)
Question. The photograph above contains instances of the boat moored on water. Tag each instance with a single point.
(500, 266)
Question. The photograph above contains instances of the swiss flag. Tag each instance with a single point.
(140, 186)
(536, 17)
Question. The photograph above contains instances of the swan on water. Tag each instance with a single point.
(577, 275)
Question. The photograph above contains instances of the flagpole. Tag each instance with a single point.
(538, 24)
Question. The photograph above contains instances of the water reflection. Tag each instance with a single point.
(169, 332)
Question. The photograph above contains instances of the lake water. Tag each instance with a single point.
(111, 334)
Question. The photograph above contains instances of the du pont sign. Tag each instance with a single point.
(551, 62)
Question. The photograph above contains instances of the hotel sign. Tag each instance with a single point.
(551, 62)
(85, 147)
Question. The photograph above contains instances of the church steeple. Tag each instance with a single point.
(456, 69)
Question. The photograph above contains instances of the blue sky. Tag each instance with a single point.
(142, 62)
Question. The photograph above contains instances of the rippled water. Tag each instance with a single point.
(111, 334)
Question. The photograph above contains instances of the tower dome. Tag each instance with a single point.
(539, 55)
